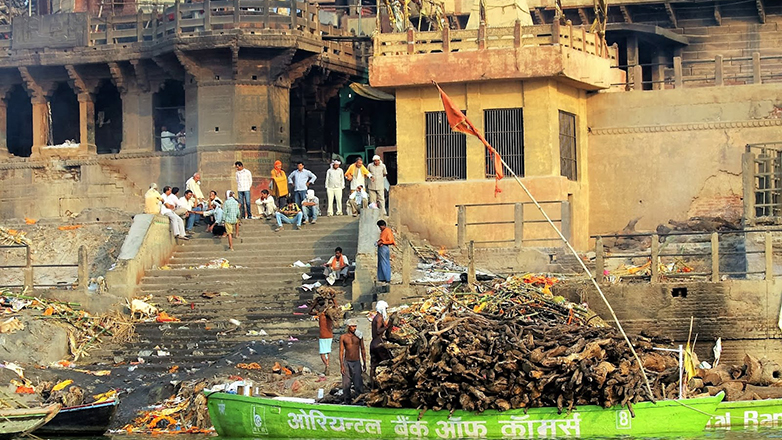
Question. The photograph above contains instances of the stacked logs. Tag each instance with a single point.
(756, 379)
(456, 358)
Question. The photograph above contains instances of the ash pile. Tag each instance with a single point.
(512, 344)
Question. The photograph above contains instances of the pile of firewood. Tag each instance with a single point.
(456, 358)
(755, 380)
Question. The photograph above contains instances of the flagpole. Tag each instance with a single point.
(588, 272)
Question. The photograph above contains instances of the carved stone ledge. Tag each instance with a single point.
(754, 123)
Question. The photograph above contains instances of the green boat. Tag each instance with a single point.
(237, 416)
(749, 414)
(15, 422)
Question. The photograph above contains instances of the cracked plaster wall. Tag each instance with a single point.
(674, 154)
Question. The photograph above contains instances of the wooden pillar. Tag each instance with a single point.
(715, 257)
(655, 258)
(678, 78)
(518, 225)
(461, 226)
(84, 270)
(632, 57)
(87, 121)
(719, 75)
(471, 278)
(29, 278)
(406, 259)
(600, 265)
(638, 78)
(756, 68)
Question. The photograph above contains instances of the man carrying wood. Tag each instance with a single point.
(350, 364)
(325, 313)
(377, 349)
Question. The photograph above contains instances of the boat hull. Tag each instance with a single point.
(236, 416)
(749, 414)
(15, 422)
(92, 419)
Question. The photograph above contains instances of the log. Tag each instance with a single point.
(764, 392)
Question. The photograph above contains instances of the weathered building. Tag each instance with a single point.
(85, 98)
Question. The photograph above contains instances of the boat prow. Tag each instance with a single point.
(237, 416)
(82, 420)
(18, 421)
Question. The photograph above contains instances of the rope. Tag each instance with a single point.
(694, 409)
(589, 274)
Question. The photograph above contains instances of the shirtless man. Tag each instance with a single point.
(377, 349)
(326, 324)
(351, 366)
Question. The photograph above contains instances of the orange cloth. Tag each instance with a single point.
(387, 237)
(352, 170)
(280, 187)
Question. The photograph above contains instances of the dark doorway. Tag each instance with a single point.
(169, 109)
(19, 122)
(108, 119)
(65, 115)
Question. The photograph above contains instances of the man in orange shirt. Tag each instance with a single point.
(384, 252)
(326, 325)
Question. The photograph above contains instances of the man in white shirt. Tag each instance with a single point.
(170, 202)
(167, 140)
(335, 183)
(188, 202)
(377, 190)
(310, 207)
(244, 182)
(194, 184)
(266, 205)
(357, 200)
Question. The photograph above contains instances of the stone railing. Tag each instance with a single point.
(210, 17)
(448, 40)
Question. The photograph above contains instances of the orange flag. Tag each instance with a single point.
(459, 122)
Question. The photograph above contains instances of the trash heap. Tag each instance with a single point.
(184, 412)
(513, 344)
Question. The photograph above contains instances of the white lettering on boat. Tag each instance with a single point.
(456, 428)
(522, 427)
(404, 427)
(259, 420)
(754, 419)
(316, 420)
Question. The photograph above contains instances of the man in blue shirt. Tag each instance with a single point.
(301, 180)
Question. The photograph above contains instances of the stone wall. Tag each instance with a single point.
(673, 154)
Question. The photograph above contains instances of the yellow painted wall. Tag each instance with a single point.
(429, 207)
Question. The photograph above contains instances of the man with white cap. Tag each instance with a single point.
(377, 349)
(335, 183)
(376, 186)
(231, 214)
(310, 207)
(351, 346)
(152, 200)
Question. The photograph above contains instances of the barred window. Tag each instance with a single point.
(505, 132)
(568, 161)
(446, 150)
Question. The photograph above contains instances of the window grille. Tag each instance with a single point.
(446, 150)
(568, 160)
(505, 132)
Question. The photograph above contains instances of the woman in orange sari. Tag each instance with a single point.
(279, 185)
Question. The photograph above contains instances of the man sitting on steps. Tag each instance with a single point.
(290, 214)
(337, 267)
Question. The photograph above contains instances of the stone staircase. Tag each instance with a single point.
(262, 292)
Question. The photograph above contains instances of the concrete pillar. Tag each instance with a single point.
(658, 71)
(87, 121)
(40, 123)
(541, 128)
(3, 130)
(138, 123)
(476, 151)
(632, 57)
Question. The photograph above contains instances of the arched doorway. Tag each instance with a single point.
(19, 122)
(108, 119)
(169, 104)
(64, 106)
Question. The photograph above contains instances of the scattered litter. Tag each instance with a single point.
(69, 227)
(30, 221)
(305, 276)
(165, 317)
(163, 353)
(251, 366)
(257, 333)
(303, 306)
(292, 339)
(219, 263)
(298, 263)
(210, 295)
(11, 325)
(316, 260)
(176, 299)
(235, 322)
(308, 287)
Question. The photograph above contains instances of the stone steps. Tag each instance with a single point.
(263, 294)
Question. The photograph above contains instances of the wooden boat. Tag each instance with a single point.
(82, 420)
(237, 416)
(18, 421)
(748, 414)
